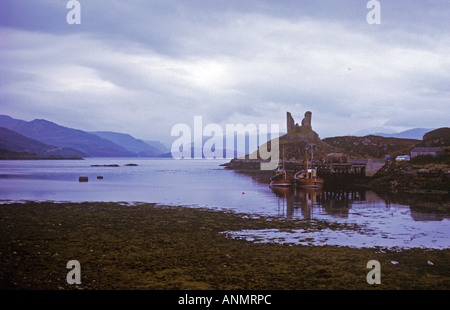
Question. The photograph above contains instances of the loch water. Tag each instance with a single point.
(388, 220)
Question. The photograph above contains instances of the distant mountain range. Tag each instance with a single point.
(45, 138)
(415, 133)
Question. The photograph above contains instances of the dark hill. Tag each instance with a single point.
(15, 142)
(298, 141)
(437, 137)
(371, 146)
(64, 137)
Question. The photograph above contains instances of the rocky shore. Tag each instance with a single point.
(404, 176)
(155, 247)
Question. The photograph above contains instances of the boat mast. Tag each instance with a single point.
(311, 146)
(307, 163)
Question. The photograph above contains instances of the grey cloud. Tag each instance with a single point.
(148, 65)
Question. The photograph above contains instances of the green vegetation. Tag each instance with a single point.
(159, 247)
(428, 161)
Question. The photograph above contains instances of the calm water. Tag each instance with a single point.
(389, 221)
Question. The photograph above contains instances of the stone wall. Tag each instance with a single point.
(373, 165)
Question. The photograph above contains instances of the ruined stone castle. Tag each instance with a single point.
(306, 122)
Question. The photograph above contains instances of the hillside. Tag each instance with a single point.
(64, 137)
(437, 137)
(371, 146)
(16, 143)
(158, 145)
(298, 141)
(139, 147)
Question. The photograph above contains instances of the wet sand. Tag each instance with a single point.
(156, 247)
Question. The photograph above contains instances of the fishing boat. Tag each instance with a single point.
(308, 177)
(281, 177)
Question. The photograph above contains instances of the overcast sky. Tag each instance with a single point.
(142, 66)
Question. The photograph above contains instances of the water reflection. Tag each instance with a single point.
(388, 220)
(303, 202)
(306, 203)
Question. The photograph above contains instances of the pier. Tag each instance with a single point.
(354, 167)
(333, 173)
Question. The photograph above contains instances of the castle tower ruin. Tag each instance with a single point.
(291, 125)
(290, 122)
(306, 122)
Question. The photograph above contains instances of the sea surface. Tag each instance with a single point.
(389, 221)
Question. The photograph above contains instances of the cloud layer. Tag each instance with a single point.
(143, 67)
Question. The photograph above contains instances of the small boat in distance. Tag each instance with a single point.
(281, 177)
(308, 178)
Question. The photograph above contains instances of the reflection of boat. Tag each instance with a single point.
(285, 198)
(283, 191)
(281, 177)
(311, 193)
(292, 201)
(308, 177)
(306, 199)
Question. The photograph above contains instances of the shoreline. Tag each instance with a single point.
(394, 177)
(150, 246)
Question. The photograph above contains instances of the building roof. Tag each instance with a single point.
(427, 149)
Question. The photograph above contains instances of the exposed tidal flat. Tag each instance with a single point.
(151, 246)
